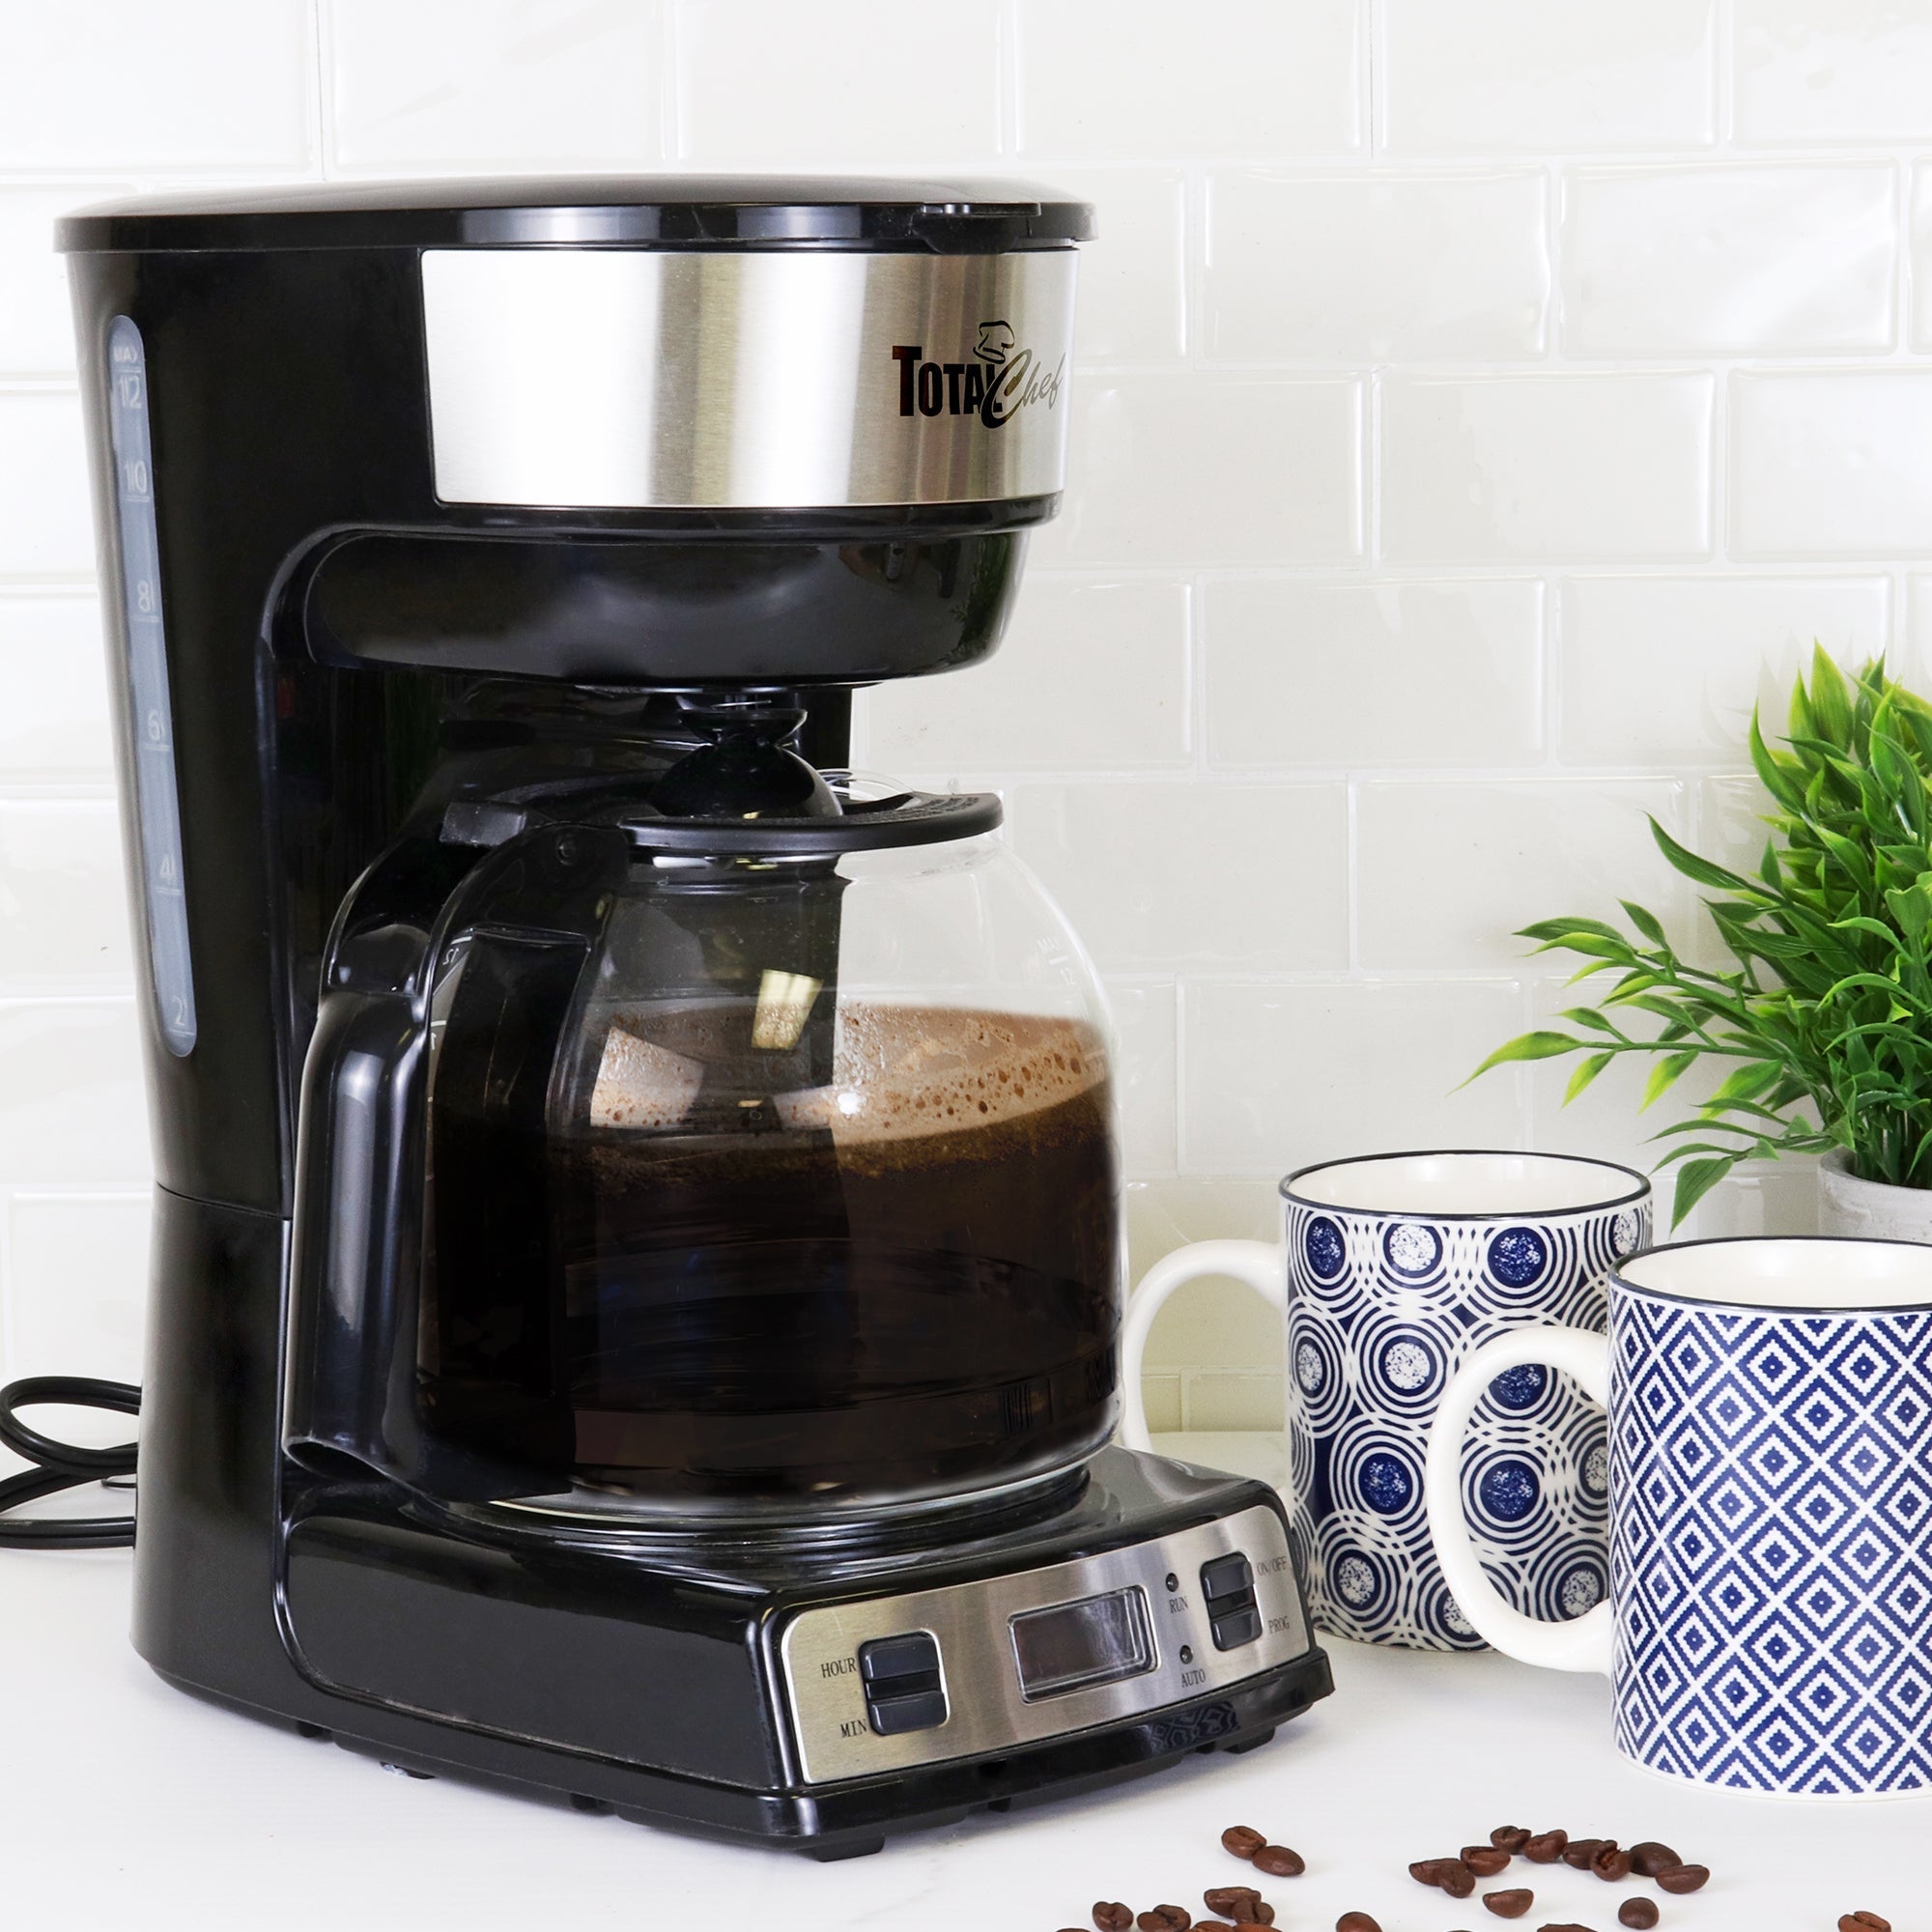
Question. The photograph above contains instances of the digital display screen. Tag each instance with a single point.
(1072, 1646)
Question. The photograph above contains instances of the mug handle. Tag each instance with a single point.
(1261, 1264)
(1583, 1643)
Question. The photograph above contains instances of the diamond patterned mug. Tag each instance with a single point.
(1769, 1620)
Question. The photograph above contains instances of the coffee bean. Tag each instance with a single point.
(1486, 1861)
(1650, 1858)
(1510, 1839)
(1356, 1922)
(1682, 1877)
(1113, 1917)
(1253, 1911)
(1864, 1921)
(1546, 1847)
(1165, 1918)
(1278, 1861)
(1222, 1898)
(1610, 1864)
(1457, 1879)
(1566, 1927)
(1639, 1913)
(1578, 1851)
(1510, 1904)
(1426, 1871)
(1243, 1840)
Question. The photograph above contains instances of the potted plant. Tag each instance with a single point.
(1824, 1023)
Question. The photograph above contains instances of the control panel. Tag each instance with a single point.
(893, 1681)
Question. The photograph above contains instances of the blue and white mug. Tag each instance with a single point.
(1392, 1270)
(1770, 1621)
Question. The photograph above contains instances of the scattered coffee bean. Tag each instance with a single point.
(1510, 1904)
(1486, 1861)
(1650, 1858)
(1356, 1922)
(1165, 1918)
(1457, 1879)
(1254, 1912)
(1243, 1840)
(1278, 1861)
(1545, 1848)
(1566, 1927)
(1222, 1898)
(1578, 1851)
(1864, 1921)
(1639, 1913)
(1424, 1872)
(1612, 1864)
(1680, 1879)
(1510, 1839)
(1114, 1916)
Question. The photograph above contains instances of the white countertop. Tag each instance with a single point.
(124, 1804)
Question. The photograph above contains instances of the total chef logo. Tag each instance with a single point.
(1001, 379)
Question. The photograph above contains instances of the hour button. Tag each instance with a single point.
(903, 1691)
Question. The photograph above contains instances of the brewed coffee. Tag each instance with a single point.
(901, 1284)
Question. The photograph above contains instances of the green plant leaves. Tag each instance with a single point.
(1825, 1016)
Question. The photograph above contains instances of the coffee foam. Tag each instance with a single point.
(898, 1072)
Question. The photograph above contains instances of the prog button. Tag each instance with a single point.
(901, 1675)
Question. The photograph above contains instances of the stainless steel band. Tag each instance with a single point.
(791, 378)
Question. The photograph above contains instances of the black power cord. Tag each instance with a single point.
(63, 1466)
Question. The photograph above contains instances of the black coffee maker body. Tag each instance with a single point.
(468, 556)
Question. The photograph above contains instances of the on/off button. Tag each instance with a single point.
(903, 1691)
(1227, 1586)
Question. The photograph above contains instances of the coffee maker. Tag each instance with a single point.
(636, 1257)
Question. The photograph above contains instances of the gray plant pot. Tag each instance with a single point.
(1849, 1205)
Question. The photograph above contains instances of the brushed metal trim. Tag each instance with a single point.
(652, 379)
(985, 1710)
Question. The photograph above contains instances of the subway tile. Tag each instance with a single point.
(1339, 676)
(493, 84)
(1914, 659)
(1128, 78)
(100, 84)
(53, 669)
(841, 81)
(1221, 1399)
(1728, 260)
(1132, 302)
(1501, 469)
(1091, 674)
(1921, 278)
(1160, 1394)
(1213, 1319)
(76, 1284)
(1831, 464)
(72, 1105)
(1490, 76)
(46, 526)
(63, 908)
(1277, 1075)
(36, 321)
(1143, 1071)
(1432, 267)
(1446, 874)
(1817, 71)
(1758, 1197)
(1665, 669)
(1158, 876)
(1203, 469)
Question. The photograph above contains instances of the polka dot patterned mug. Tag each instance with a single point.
(1392, 1270)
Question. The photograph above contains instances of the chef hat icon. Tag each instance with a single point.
(995, 339)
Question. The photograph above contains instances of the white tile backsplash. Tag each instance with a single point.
(1367, 674)
(1165, 875)
(103, 85)
(1458, 449)
(1514, 469)
(1729, 261)
(1448, 873)
(1118, 80)
(1430, 267)
(1831, 464)
(1493, 76)
(837, 83)
(493, 84)
(1253, 470)
(1819, 70)
(47, 529)
(1662, 670)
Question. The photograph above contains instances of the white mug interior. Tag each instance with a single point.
(1818, 1274)
(1433, 1186)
